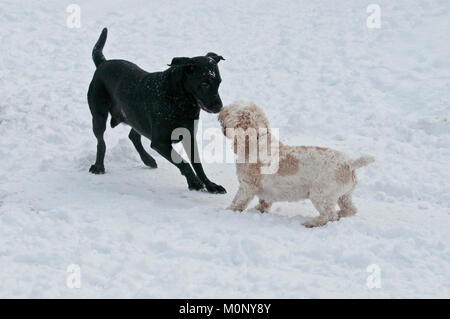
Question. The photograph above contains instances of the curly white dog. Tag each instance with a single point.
(323, 175)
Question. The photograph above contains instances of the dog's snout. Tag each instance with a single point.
(217, 105)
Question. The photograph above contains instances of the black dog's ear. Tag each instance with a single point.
(181, 62)
(178, 68)
(215, 57)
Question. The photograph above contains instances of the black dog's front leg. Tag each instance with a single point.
(167, 151)
(192, 151)
(162, 144)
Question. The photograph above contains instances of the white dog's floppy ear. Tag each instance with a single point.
(224, 113)
(259, 118)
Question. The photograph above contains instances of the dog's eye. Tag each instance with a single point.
(205, 85)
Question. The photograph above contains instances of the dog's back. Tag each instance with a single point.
(116, 76)
(119, 77)
(118, 88)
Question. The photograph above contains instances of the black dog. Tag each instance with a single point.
(154, 104)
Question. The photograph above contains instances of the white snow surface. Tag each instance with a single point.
(322, 77)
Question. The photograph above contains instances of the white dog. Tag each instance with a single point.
(323, 175)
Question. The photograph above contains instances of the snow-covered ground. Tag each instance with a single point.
(322, 77)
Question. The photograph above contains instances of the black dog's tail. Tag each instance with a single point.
(97, 52)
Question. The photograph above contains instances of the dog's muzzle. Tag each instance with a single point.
(212, 109)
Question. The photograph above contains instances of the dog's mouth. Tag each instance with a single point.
(204, 108)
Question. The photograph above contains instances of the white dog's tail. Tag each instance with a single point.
(362, 161)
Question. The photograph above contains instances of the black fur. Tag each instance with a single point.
(154, 104)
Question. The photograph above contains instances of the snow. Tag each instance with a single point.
(322, 77)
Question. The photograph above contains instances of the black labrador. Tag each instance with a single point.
(154, 104)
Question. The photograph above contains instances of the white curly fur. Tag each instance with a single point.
(323, 175)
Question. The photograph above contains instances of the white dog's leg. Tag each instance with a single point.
(263, 206)
(325, 207)
(347, 208)
(243, 196)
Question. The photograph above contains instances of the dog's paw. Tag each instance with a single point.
(316, 222)
(97, 169)
(346, 213)
(234, 208)
(261, 208)
(150, 162)
(214, 188)
(195, 184)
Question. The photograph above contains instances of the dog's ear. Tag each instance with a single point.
(178, 68)
(222, 117)
(215, 57)
(186, 64)
(181, 61)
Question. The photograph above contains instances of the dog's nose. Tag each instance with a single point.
(218, 105)
(217, 108)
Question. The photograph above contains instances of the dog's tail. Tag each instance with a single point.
(362, 161)
(97, 52)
